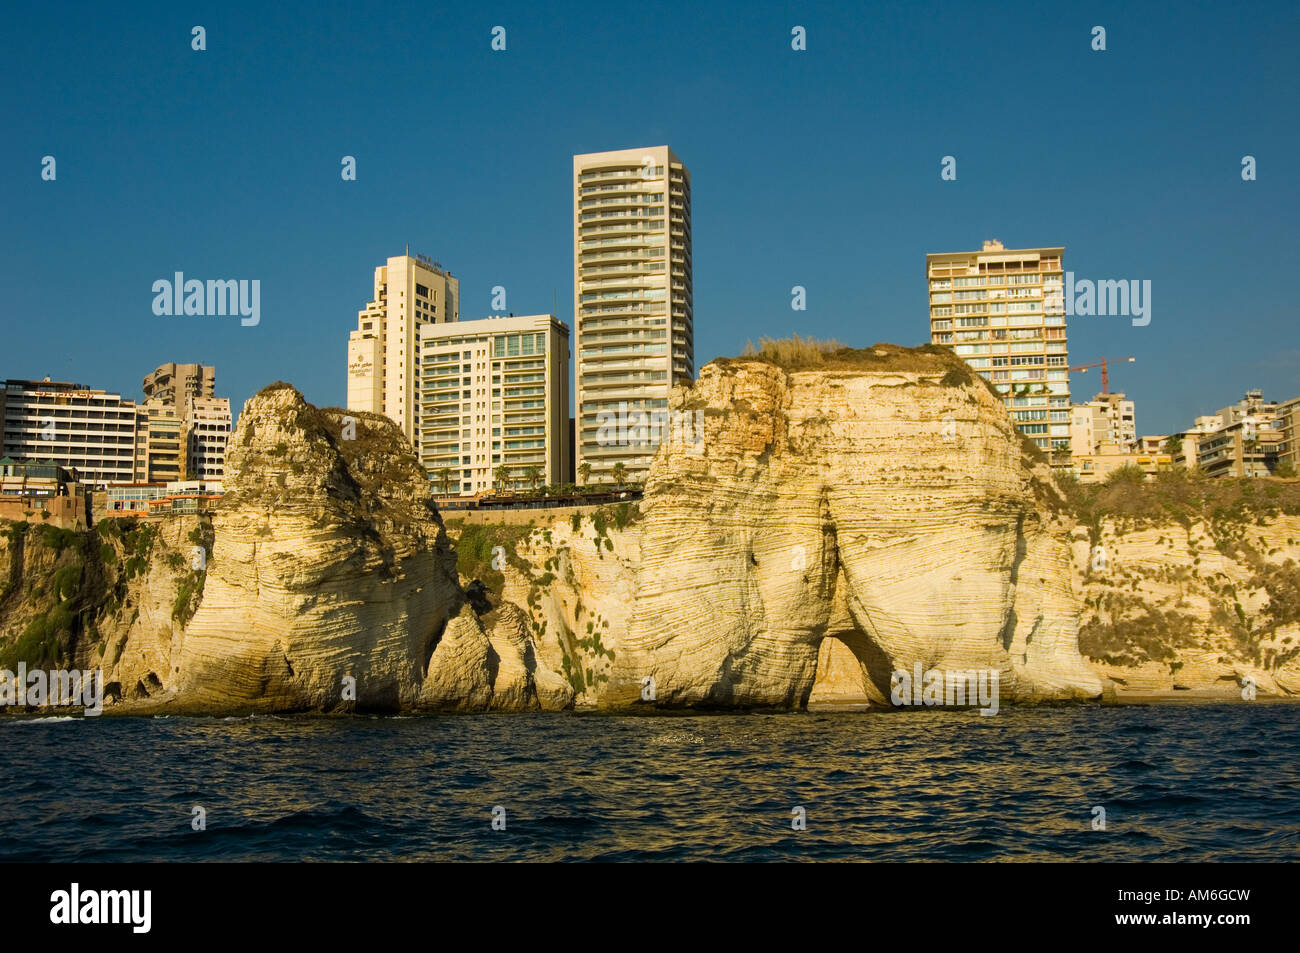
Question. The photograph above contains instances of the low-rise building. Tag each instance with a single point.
(187, 496)
(121, 500)
(1096, 467)
(128, 499)
(41, 492)
(1241, 440)
(1239, 450)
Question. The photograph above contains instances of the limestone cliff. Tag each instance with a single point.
(1190, 585)
(835, 521)
(324, 581)
(112, 598)
(330, 564)
(882, 501)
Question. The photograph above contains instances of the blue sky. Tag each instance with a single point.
(817, 168)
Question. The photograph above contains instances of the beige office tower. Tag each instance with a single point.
(634, 329)
(160, 442)
(384, 350)
(1003, 310)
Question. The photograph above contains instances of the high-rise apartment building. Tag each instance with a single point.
(207, 433)
(384, 350)
(89, 431)
(176, 383)
(495, 393)
(634, 322)
(1003, 310)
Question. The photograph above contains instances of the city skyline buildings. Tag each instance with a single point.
(179, 430)
(778, 212)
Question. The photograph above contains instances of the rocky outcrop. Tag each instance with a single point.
(491, 665)
(324, 581)
(576, 578)
(108, 599)
(883, 502)
(833, 523)
(1192, 606)
(331, 583)
(328, 563)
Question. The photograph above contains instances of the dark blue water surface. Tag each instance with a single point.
(1178, 782)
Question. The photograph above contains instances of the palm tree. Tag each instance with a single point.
(533, 475)
(444, 479)
(619, 473)
(584, 471)
(502, 475)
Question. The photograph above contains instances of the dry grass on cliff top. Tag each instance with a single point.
(797, 353)
(1182, 496)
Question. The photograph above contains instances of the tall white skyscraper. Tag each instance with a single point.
(634, 333)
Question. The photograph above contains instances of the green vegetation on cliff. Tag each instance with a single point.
(477, 553)
(1124, 628)
(51, 597)
(64, 589)
(1181, 496)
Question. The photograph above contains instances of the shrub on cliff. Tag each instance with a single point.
(1183, 496)
(274, 386)
(1127, 632)
(477, 552)
(58, 539)
(189, 593)
(793, 351)
(809, 353)
(44, 641)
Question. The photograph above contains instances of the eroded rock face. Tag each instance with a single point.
(890, 509)
(331, 562)
(1194, 607)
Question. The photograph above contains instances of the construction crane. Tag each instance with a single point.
(1105, 371)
